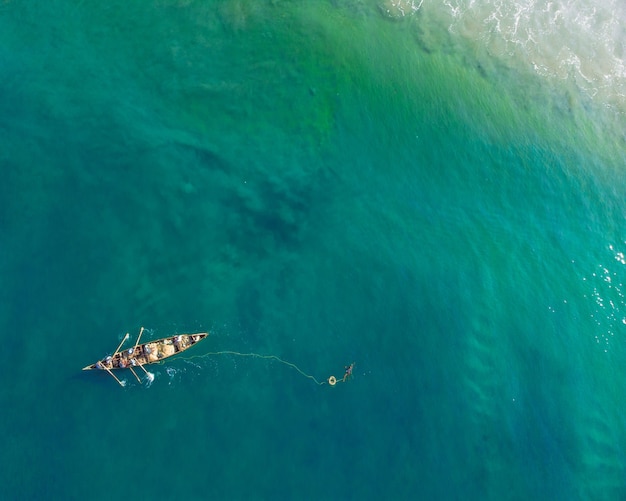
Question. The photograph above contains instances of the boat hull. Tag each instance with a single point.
(148, 353)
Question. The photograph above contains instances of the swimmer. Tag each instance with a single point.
(348, 372)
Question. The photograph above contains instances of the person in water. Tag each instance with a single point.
(348, 372)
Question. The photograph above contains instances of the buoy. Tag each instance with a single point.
(332, 380)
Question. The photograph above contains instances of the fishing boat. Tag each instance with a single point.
(145, 354)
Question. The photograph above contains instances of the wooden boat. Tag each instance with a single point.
(145, 354)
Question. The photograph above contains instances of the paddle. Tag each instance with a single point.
(149, 374)
(134, 374)
(118, 348)
(112, 375)
(138, 338)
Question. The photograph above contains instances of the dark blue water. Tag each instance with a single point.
(313, 183)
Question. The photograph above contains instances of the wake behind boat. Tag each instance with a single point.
(145, 354)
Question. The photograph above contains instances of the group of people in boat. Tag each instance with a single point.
(147, 353)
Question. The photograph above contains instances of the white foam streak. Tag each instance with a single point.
(579, 40)
(400, 8)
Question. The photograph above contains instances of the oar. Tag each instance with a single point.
(113, 375)
(149, 374)
(118, 348)
(143, 369)
(134, 374)
(138, 338)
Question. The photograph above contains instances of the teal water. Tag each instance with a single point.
(328, 184)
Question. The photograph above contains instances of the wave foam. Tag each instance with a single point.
(581, 40)
(400, 8)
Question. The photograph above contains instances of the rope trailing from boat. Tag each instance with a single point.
(332, 380)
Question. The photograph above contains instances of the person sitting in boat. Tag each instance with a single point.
(104, 364)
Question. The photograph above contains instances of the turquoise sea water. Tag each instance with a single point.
(327, 182)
